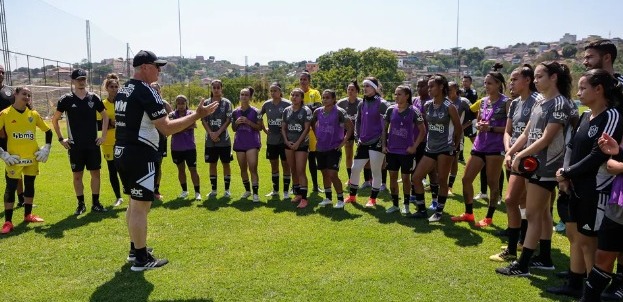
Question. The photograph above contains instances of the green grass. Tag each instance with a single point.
(233, 250)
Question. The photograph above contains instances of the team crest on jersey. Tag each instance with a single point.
(90, 103)
(526, 111)
(118, 151)
(592, 131)
(497, 110)
(300, 116)
(30, 119)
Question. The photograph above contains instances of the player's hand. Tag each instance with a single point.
(99, 141)
(43, 153)
(8, 158)
(66, 144)
(608, 145)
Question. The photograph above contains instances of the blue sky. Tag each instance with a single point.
(294, 30)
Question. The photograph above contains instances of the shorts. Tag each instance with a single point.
(108, 152)
(16, 171)
(137, 169)
(549, 185)
(435, 155)
(419, 152)
(274, 152)
(329, 160)
(586, 208)
(403, 162)
(483, 155)
(302, 148)
(187, 156)
(213, 154)
(562, 206)
(79, 158)
(609, 236)
(362, 151)
(469, 132)
(162, 146)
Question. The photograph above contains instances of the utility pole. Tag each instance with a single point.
(89, 56)
(5, 46)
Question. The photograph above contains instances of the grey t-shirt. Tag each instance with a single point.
(221, 115)
(274, 114)
(295, 123)
(350, 108)
(440, 137)
(519, 113)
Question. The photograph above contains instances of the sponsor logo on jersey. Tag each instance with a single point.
(402, 132)
(519, 128)
(297, 128)
(535, 134)
(30, 119)
(24, 161)
(136, 192)
(587, 227)
(127, 90)
(275, 122)
(560, 116)
(26, 135)
(437, 127)
(592, 131)
(120, 106)
(159, 112)
(216, 122)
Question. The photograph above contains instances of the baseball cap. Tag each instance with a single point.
(78, 73)
(147, 57)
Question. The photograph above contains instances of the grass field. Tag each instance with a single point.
(233, 250)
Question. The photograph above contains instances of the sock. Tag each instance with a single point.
(451, 181)
(461, 157)
(353, 189)
(545, 249)
(490, 212)
(247, 185)
(227, 182)
(328, 194)
(513, 237)
(349, 171)
(80, 199)
(374, 193)
(286, 183)
(296, 189)
(275, 179)
(340, 196)
(434, 190)
(483, 180)
(523, 230)
(524, 259)
(595, 284)
(441, 203)
(157, 189)
(395, 199)
(255, 187)
(407, 198)
(96, 198)
(27, 209)
(303, 192)
(141, 254)
(501, 181)
(383, 176)
(132, 248)
(20, 197)
(367, 174)
(419, 201)
(8, 215)
(197, 189)
(576, 280)
(213, 182)
(184, 186)
(469, 208)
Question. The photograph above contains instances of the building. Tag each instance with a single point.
(311, 67)
(568, 38)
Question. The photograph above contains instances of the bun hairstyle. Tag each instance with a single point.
(354, 83)
(251, 91)
(613, 89)
(497, 76)
(527, 71)
(564, 76)
(407, 90)
(439, 79)
(110, 78)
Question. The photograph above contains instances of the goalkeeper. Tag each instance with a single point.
(22, 156)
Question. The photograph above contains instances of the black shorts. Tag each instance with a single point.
(609, 236)
(187, 156)
(362, 150)
(562, 206)
(213, 154)
(549, 185)
(302, 148)
(329, 160)
(81, 157)
(435, 155)
(274, 152)
(483, 155)
(586, 208)
(137, 169)
(469, 132)
(403, 162)
(419, 152)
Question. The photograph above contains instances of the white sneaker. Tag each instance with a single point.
(197, 196)
(325, 202)
(392, 209)
(227, 194)
(245, 195)
(481, 196)
(271, 194)
(339, 205)
(382, 188)
(435, 217)
(286, 195)
(183, 195)
(211, 194)
(405, 210)
(118, 202)
(256, 198)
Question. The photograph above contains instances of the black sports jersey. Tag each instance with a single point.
(137, 105)
(7, 97)
(470, 94)
(81, 118)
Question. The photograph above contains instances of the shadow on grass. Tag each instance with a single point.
(57, 230)
(176, 204)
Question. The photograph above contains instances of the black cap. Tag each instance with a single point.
(78, 73)
(147, 57)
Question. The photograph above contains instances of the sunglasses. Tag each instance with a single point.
(155, 65)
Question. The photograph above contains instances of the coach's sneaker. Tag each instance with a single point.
(132, 254)
(542, 263)
(7, 227)
(392, 209)
(211, 194)
(371, 203)
(435, 217)
(433, 205)
(80, 209)
(256, 198)
(463, 217)
(325, 202)
(339, 205)
(149, 263)
(485, 222)
(32, 218)
(481, 196)
(227, 194)
(503, 256)
(614, 291)
(245, 195)
(513, 270)
(197, 196)
(118, 202)
(183, 195)
(273, 194)
(98, 207)
(405, 210)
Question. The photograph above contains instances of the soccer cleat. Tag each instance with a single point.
(325, 202)
(503, 256)
(339, 205)
(158, 197)
(539, 262)
(296, 199)
(118, 202)
(211, 194)
(97, 207)
(513, 270)
(463, 217)
(132, 254)
(351, 199)
(286, 195)
(245, 195)
(183, 195)
(420, 214)
(481, 196)
(392, 209)
(7, 227)
(20, 203)
(382, 188)
(302, 204)
(433, 205)
(519, 247)
(227, 194)
(566, 290)
(256, 198)
(272, 194)
(435, 217)
(485, 222)
(614, 292)
(80, 209)
(32, 218)
(405, 210)
(197, 196)
(562, 274)
(371, 203)
(150, 263)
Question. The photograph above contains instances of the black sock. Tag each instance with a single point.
(434, 190)
(413, 190)
(490, 212)
(441, 203)
(275, 179)
(395, 199)
(419, 201)
(348, 171)
(132, 246)
(213, 182)
(247, 185)
(20, 197)
(255, 187)
(340, 196)
(184, 187)
(141, 254)
(501, 180)
(8, 215)
(374, 193)
(545, 249)
(197, 189)
(313, 168)
(112, 177)
(513, 237)
(303, 192)
(469, 208)
(353, 189)
(451, 181)
(483, 180)
(27, 209)
(383, 176)
(296, 189)
(524, 259)
(595, 284)
(367, 174)
(407, 198)
(156, 188)
(80, 199)
(461, 158)
(96, 198)
(328, 194)
(576, 280)
(227, 182)
(286, 183)
(523, 230)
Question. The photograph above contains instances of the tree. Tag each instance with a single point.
(569, 51)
